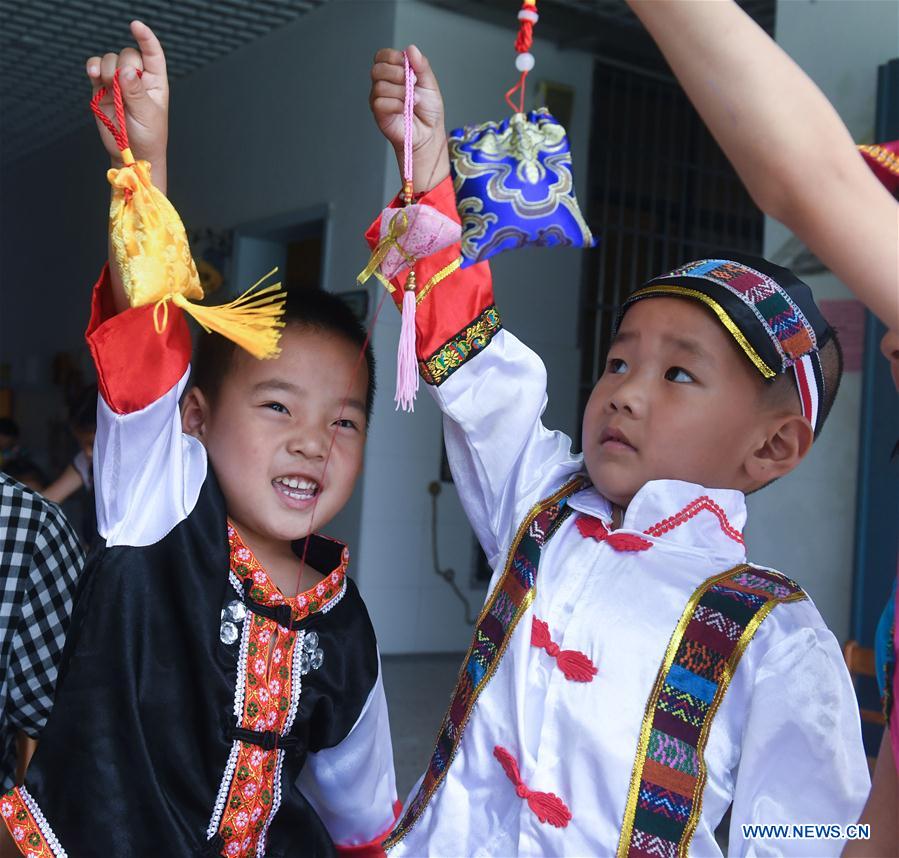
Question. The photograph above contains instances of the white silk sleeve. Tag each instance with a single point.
(802, 758)
(352, 786)
(502, 457)
(147, 472)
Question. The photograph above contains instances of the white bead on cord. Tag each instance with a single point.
(528, 15)
(524, 62)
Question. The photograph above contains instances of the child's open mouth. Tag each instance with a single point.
(296, 491)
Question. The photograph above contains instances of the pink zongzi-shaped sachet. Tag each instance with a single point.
(418, 231)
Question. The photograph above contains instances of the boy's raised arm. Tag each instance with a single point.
(145, 93)
(490, 386)
(147, 473)
(789, 146)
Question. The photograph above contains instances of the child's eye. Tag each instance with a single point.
(616, 366)
(679, 375)
(276, 406)
(346, 423)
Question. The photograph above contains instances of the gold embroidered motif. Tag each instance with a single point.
(449, 357)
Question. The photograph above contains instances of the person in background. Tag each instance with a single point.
(41, 560)
(9, 440)
(78, 474)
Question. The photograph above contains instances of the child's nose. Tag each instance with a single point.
(628, 397)
(309, 441)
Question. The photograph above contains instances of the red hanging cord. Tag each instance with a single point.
(120, 132)
(524, 62)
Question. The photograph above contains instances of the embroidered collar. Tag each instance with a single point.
(323, 553)
(676, 512)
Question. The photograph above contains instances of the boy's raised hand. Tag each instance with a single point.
(430, 157)
(146, 99)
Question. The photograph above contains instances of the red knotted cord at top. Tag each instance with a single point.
(524, 62)
(120, 132)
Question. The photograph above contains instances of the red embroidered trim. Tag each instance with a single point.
(575, 665)
(270, 675)
(546, 806)
(693, 509)
(23, 827)
(589, 526)
(316, 598)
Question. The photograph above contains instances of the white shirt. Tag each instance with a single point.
(785, 745)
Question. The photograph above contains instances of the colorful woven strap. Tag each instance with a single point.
(665, 796)
(27, 826)
(511, 597)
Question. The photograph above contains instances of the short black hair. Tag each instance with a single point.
(313, 309)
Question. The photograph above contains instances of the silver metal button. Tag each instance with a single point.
(228, 633)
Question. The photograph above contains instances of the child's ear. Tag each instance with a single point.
(194, 413)
(788, 440)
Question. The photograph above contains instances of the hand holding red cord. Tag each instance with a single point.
(145, 91)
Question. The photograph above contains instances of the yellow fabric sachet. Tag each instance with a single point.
(152, 253)
(148, 238)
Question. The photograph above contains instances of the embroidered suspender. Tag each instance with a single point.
(665, 796)
(511, 597)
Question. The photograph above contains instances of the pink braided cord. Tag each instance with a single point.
(408, 118)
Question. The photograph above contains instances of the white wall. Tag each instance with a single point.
(537, 294)
(805, 523)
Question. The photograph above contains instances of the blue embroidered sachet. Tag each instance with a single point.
(514, 186)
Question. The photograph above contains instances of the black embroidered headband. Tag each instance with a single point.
(769, 312)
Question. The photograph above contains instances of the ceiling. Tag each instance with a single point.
(44, 44)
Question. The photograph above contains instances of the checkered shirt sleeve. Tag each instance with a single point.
(40, 560)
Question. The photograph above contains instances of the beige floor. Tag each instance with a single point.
(418, 689)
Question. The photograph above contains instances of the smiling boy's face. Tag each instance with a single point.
(269, 431)
(679, 401)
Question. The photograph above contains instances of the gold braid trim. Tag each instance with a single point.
(883, 157)
(442, 274)
(720, 312)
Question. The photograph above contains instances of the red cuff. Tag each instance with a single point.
(135, 365)
(454, 304)
(374, 848)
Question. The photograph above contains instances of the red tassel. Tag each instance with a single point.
(507, 761)
(546, 806)
(575, 665)
(628, 542)
(549, 808)
(540, 634)
(591, 527)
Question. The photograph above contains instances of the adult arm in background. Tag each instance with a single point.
(881, 810)
(64, 486)
(785, 140)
